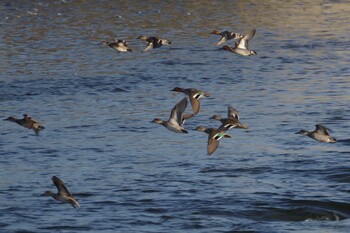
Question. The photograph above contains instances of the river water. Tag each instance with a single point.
(130, 175)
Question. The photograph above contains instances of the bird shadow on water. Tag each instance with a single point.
(344, 141)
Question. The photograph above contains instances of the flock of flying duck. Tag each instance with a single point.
(241, 45)
(177, 117)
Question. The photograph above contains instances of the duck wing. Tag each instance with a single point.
(212, 145)
(61, 188)
(243, 42)
(195, 104)
(155, 41)
(232, 113)
(177, 111)
(213, 139)
(194, 96)
(223, 38)
(149, 46)
(321, 129)
(185, 117)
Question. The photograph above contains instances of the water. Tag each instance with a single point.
(133, 176)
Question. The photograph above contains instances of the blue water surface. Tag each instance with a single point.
(130, 175)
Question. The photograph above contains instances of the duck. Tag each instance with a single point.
(225, 36)
(63, 195)
(194, 96)
(27, 122)
(154, 42)
(241, 46)
(321, 134)
(177, 119)
(119, 45)
(232, 120)
(214, 136)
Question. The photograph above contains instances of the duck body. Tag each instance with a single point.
(232, 120)
(27, 122)
(214, 136)
(176, 120)
(194, 96)
(118, 45)
(154, 42)
(320, 134)
(239, 51)
(63, 194)
(225, 36)
(228, 123)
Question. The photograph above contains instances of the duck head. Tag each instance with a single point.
(105, 43)
(216, 117)
(252, 53)
(226, 48)
(157, 120)
(48, 193)
(142, 37)
(303, 132)
(11, 118)
(201, 128)
(216, 32)
(177, 89)
(165, 42)
(332, 139)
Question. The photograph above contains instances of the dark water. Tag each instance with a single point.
(133, 176)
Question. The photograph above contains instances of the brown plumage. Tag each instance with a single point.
(27, 122)
(194, 96)
(232, 120)
(214, 135)
(63, 195)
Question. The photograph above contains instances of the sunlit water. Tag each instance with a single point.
(133, 176)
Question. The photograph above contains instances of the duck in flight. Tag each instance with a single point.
(154, 42)
(320, 134)
(27, 122)
(232, 120)
(194, 96)
(177, 118)
(214, 136)
(241, 46)
(63, 195)
(225, 36)
(119, 45)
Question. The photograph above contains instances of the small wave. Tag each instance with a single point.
(117, 89)
(108, 203)
(25, 231)
(156, 210)
(253, 170)
(78, 228)
(344, 141)
(306, 210)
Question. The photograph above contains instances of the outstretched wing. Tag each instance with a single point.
(61, 188)
(177, 111)
(195, 104)
(149, 46)
(213, 139)
(232, 113)
(212, 145)
(243, 42)
(185, 117)
(322, 129)
(222, 40)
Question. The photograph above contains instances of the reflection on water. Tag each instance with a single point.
(96, 105)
